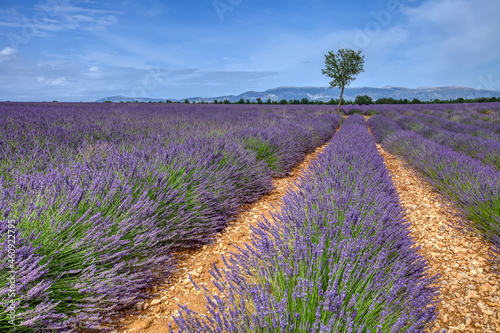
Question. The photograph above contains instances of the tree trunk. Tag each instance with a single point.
(340, 100)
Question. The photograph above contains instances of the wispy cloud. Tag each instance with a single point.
(58, 78)
(455, 40)
(220, 77)
(63, 16)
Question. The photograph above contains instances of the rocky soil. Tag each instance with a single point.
(470, 295)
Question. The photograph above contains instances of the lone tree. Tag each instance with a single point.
(343, 68)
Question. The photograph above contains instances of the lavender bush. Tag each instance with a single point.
(381, 127)
(337, 258)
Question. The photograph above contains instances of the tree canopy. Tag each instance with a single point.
(343, 67)
(363, 100)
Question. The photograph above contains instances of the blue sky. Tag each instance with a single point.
(70, 50)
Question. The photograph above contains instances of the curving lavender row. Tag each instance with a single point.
(475, 110)
(432, 116)
(98, 196)
(485, 118)
(337, 258)
(485, 150)
(381, 127)
(473, 186)
(453, 126)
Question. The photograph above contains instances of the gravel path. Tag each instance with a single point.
(469, 288)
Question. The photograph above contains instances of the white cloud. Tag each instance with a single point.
(465, 32)
(94, 69)
(7, 51)
(454, 41)
(59, 82)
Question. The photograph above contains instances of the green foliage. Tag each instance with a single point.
(265, 152)
(485, 111)
(372, 112)
(363, 100)
(355, 111)
(343, 67)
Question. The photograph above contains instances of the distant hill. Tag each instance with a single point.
(325, 94)
(119, 99)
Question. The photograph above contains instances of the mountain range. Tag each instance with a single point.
(325, 94)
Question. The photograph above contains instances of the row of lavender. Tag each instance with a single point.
(42, 135)
(484, 149)
(478, 114)
(467, 119)
(479, 130)
(100, 195)
(471, 185)
(337, 258)
(484, 118)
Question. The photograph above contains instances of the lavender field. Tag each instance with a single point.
(95, 199)
(100, 195)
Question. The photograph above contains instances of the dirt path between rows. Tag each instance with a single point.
(154, 315)
(470, 297)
